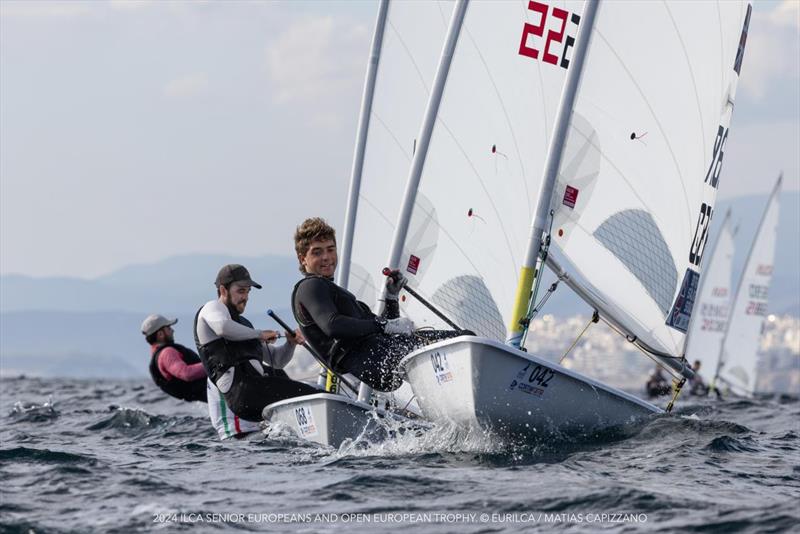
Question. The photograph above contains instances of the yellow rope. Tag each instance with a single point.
(594, 319)
(678, 386)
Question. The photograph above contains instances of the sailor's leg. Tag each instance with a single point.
(251, 392)
(375, 360)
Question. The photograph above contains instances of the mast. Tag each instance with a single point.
(417, 163)
(343, 273)
(553, 162)
(720, 361)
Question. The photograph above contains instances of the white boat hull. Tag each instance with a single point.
(330, 419)
(476, 382)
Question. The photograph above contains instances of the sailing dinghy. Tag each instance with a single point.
(737, 367)
(405, 50)
(631, 153)
(710, 317)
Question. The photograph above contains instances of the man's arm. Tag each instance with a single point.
(219, 320)
(170, 363)
(215, 322)
(391, 309)
(314, 295)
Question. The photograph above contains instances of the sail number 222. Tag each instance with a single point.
(555, 35)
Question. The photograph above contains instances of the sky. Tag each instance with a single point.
(133, 131)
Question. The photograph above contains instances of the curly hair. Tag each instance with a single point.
(310, 230)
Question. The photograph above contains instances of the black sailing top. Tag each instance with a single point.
(331, 318)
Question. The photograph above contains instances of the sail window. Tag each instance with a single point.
(633, 237)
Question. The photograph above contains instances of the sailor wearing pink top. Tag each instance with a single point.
(175, 369)
(171, 365)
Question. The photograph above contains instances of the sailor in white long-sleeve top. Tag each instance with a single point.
(239, 359)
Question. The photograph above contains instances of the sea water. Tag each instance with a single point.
(120, 456)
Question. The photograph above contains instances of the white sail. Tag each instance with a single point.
(638, 177)
(411, 44)
(712, 309)
(477, 190)
(738, 363)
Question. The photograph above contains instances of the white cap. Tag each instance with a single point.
(154, 323)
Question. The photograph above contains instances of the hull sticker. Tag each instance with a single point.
(305, 421)
(533, 380)
(441, 367)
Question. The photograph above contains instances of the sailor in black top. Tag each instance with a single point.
(342, 329)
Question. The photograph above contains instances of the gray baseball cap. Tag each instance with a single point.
(235, 273)
(155, 322)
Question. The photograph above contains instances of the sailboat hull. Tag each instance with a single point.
(330, 419)
(479, 383)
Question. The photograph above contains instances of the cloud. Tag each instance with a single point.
(787, 14)
(773, 47)
(186, 86)
(758, 152)
(315, 58)
(29, 9)
(130, 5)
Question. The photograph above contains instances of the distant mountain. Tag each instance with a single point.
(77, 327)
(90, 328)
(87, 344)
(175, 285)
(181, 284)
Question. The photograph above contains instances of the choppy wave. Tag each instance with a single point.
(33, 413)
(25, 454)
(132, 420)
(94, 456)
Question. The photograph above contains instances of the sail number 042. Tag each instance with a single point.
(541, 375)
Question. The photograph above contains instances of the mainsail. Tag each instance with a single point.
(472, 190)
(712, 309)
(409, 43)
(738, 363)
(638, 176)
